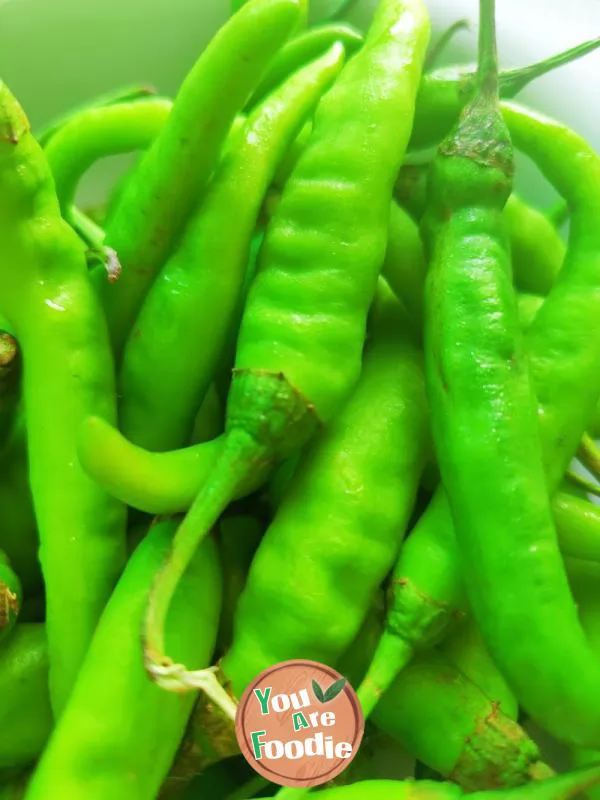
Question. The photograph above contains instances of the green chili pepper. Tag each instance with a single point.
(98, 132)
(355, 485)
(303, 49)
(404, 266)
(470, 307)
(573, 386)
(587, 452)
(427, 588)
(89, 229)
(25, 714)
(175, 169)
(487, 393)
(300, 342)
(157, 483)
(562, 787)
(165, 374)
(453, 711)
(443, 714)
(125, 94)
(119, 732)
(446, 721)
(48, 300)
(537, 250)
(11, 596)
(360, 476)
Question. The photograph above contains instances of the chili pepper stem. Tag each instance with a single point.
(237, 460)
(391, 656)
(513, 81)
(87, 230)
(589, 455)
(176, 678)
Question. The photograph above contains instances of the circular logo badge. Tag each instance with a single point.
(299, 723)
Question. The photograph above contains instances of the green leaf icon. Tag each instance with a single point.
(318, 692)
(334, 690)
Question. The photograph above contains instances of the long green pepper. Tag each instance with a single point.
(49, 301)
(570, 379)
(301, 50)
(174, 171)
(453, 711)
(442, 718)
(354, 489)
(563, 358)
(532, 573)
(300, 343)
(125, 94)
(187, 317)
(97, 133)
(119, 732)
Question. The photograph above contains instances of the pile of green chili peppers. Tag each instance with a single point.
(311, 382)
